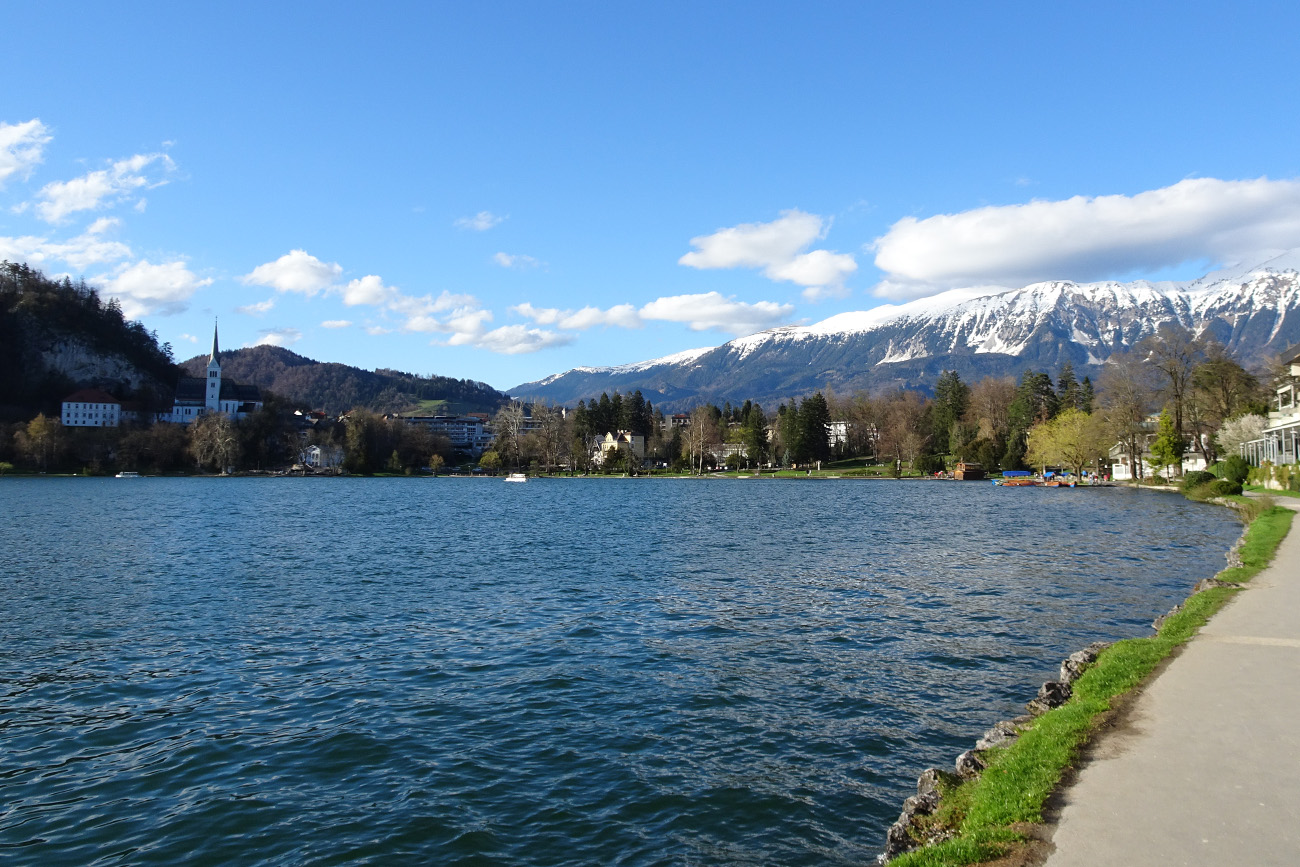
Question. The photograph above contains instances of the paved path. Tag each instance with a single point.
(1208, 771)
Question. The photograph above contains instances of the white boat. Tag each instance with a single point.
(126, 474)
(517, 477)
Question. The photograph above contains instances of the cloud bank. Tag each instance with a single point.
(709, 311)
(1090, 238)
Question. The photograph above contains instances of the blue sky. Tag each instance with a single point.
(501, 191)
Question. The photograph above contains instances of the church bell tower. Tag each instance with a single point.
(212, 397)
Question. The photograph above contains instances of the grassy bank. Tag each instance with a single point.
(1020, 778)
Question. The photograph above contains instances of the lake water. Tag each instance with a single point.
(461, 671)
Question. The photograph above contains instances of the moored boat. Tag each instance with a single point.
(517, 477)
(127, 474)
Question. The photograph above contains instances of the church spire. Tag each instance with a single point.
(215, 350)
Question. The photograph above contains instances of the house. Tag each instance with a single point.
(91, 407)
(621, 441)
(1281, 441)
(1121, 471)
(968, 471)
(196, 396)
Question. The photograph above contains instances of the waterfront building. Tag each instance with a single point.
(1281, 441)
(91, 407)
(196, 396)
(468, 433)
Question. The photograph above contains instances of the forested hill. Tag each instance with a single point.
(336, 388)
(57, 336)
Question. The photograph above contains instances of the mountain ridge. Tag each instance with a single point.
(1255, 312)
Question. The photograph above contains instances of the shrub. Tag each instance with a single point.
(1196, 478)
(1225, 488)
(928, 464)
(1234, 468)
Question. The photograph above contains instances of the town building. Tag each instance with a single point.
(1281, 441)
(468, 433)
(91, 407)
(196, 396)
(621, 441)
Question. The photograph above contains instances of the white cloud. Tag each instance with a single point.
(22, 147)
(190, 337)
(518, 262)
(147, 288)
(256, 309)
(87, 249)
(778, 248)
(104, 187)
(620, 315)
(278, 337)
(712, 310)
(336, 323)
(295, 271)
(367, 290)
(512, 339)
(1090, 238)
(480, 222)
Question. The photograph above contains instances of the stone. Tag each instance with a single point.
(1079, 661)
(929, 781)
(970, 764)
(1001, 734)
(1160, 621)
(1207, 583)
(1051, 694)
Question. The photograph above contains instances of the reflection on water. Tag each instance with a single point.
(451, 671)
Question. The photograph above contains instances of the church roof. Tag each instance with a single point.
(216, 353)
(193, 389)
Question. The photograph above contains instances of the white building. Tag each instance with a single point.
(1281, 441)
(91, 407)
(196, 396)
(468, 433)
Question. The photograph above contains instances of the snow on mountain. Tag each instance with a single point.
(1254, 311)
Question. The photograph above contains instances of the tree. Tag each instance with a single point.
(1168, 448)
(814, 423)
(41, 439)
(702, 434)
(951, 402)
(1242, 429)
(1068, 393)
(753, 433)
(490, 461)
(214, 441)
(1174, 352)
(1127, 395)
(510, 430)
(1073, 439)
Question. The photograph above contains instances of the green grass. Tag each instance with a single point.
(1021, 777)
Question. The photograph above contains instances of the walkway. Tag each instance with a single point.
(1207, 771)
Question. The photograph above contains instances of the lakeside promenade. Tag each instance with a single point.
(1205, 770)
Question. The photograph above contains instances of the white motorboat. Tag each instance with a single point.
(517, 477)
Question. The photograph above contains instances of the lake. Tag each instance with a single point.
(570, 671)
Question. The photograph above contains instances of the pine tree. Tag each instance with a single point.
(1068, 394)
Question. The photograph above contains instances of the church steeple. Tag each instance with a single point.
(212, 396)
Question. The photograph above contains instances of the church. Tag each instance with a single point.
(196, 396)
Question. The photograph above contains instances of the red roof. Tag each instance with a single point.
(91, 395)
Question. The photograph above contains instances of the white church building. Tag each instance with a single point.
(196, 396)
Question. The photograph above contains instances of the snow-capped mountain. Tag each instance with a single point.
(1255, 312)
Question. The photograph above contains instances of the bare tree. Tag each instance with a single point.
(509, 424)
(701, 435)
(214, 441)
(1127, 397)
(1174, 352)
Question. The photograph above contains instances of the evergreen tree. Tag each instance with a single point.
(1068, 393)
(1086, 396)
(814, 420)
(754, 432)
(951, 400)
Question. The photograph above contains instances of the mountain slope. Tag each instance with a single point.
(337, 388)
(1255, 312)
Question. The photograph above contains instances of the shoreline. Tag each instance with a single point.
(924, 828)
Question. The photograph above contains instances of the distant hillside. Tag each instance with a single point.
(336, 388)
(1254, 312)
(57, 336)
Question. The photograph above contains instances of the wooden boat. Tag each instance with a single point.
(1016, 479)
